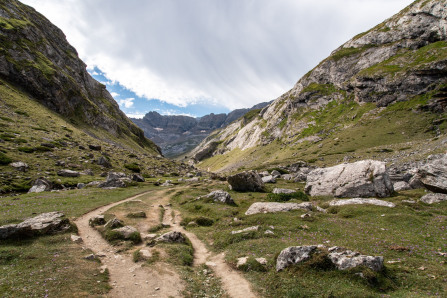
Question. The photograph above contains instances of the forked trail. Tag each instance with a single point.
(129, 279)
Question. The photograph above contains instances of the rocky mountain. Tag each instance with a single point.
(36, 57)
(58, 126)
(382, 93)
(177, 135)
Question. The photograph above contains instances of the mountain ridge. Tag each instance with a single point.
(177, 134)
(399, 63)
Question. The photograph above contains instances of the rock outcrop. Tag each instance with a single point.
(342, 259)
(272, 207)
(399, 60)
(433, 198)
(367, 178)
(433, 175)
(219, 196)
(177, 135)
(172, 236)
(246, 181)
(42, 224)
(40, 185)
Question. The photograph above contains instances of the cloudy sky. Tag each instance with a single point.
(201, 56)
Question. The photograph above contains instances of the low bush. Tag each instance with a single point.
(284, 197)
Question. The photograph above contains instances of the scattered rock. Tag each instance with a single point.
(220, 196)
(433, 198)
(262, 261)
(361, 201)
(88, 172)
(148, 237)
(126, 232)
(263, 174)
(114, 180)
(305, 215)
(137, 178)
(195, 179)
(68, 173)
(401, 185)
(243, 261)
(80, 185)
(287, 177)
(42, 224)
(137, 214)
(271, 207)
(275, 174)
(172, 236)
(90, 257)
(255, 228)
(97, 220)
(283, 190)
(40, 185)
(95, 147)
(269, 232)
(76, 239)
(145, 254)
(19, 166)
(246, 181)
(103, 161)
(268, 179)
(346, 259)
(294, 255)
(433, 174)
(114, 223)
(366, 178)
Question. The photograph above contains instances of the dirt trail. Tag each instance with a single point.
(232, 281)
(128, 279)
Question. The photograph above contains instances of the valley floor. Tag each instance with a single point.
(411, 237)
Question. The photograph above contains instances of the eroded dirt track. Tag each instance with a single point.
(130, 279)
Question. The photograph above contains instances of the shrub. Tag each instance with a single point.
(253, 265)
(4, 160)
(284, 197)
(26, 149)
(133, 167)
(201, 221)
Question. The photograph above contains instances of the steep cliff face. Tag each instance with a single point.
(177, 135)
(36, 56)
(400, 64)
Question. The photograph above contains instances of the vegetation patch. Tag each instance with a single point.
(284, 197)
(134, 167)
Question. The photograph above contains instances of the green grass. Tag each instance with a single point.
(54, 263)
(284, 197)
(371, 230)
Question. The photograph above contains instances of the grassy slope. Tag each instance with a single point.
(417, 229)
(346, 128)
(343, 129)
(24, 123)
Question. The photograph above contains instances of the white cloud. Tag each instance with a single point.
(135, 115)
(114, 94)
(126, 103)
(235, 53)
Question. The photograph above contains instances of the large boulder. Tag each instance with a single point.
(220, 196)
(343, 259)
(44, 223)
(366, 178)
(361, 201)
(433, 198)
(114, 223)
(246, 181)
(401, 185)
(272, 207)
(433, 175)
(40, 185)
(68, 173)
(346, 259)
(294, 255)
(97, 220)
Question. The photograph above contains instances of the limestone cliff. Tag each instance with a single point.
(402, 60)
